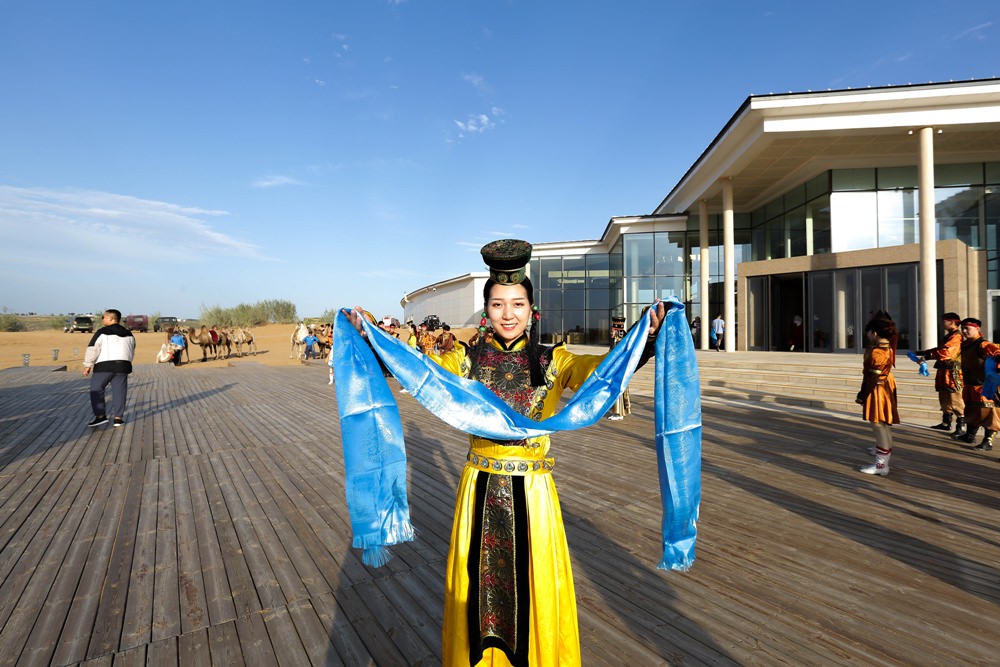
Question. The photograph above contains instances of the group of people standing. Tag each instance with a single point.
(966, 381)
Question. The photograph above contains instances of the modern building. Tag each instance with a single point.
(805, 215)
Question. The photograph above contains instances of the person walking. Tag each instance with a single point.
(696, 331)
(947, 358)
(108, 360)
(878, 389)
(980, 410)
(717, 331)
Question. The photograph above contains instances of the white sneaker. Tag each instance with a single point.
(403, 391)
(615, 418)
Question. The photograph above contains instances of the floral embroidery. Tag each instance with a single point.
(497, 574)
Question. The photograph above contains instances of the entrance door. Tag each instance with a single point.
(788, 308)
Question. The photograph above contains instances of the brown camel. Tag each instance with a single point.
(204, 339)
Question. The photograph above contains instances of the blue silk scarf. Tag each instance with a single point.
(372, 431)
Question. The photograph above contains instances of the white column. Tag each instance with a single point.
(928, 322)
(706, 315)
(729, 257)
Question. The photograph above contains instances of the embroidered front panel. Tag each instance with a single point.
(497, 571)
(508, 375)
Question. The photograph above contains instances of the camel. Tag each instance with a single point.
(298, 338)
(241, 337)
(324, 340)
(204, 339)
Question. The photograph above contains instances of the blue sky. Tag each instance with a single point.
(161, 157)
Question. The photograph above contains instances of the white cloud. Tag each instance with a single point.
(976, 32)
(475, 124)
(275, 180)
(67, 228)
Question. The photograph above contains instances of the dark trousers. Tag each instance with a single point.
(119, 390)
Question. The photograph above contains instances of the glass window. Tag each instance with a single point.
(957, 213)
(818, 330)
(639, 255)
(818, 186)
(598, 264)
(742, 221)
(853, 179)
(958, 174)
(639, 290)
(892, 178)
(871, 294)
(598, 328)
(774, 209)
(758, 243)
(795, 228)
(992, 205)
(818, 213)
(550, 271)
(574, 272)
(992, 175)
(856, 214)
(901, 292)
(776, 238)
(669, 247)
(795, 197)
(668, 286)
(573, 324)
(897, 218)
(599, 299)
(550, 299)
(574, 298)
(846, 332)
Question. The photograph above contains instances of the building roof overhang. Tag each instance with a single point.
(774, 142)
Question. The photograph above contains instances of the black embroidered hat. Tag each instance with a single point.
(507, 259)
(973, 321)
(951, 317)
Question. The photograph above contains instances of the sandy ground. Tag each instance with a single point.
(273, 343)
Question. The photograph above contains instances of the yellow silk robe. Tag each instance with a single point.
(520, 586)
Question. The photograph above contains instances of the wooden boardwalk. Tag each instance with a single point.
(211, 529)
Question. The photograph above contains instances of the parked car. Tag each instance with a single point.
(433, 322)
(164, 323)
(137, 323)
(83, 324)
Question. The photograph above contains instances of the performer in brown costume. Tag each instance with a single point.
(979, 410)
(948, 378)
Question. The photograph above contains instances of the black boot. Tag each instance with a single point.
(969, 437)
(959, 428)
(987, 443)
(945, 424)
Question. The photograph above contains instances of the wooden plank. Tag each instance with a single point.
(288, 648)
(166, 609)
(78, 629)
(224, 643)
(111, 607)
(193, 649)
(71, 546)
(218, 595)
(255, 643)
(137, 624)
(192, 606)
(237, 571)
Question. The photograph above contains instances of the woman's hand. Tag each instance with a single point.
(355, 316)
(656, 317)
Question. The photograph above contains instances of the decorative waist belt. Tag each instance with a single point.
(510, 466)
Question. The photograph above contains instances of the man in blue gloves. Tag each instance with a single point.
(948, 375)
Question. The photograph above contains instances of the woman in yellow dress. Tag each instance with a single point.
(509, 596)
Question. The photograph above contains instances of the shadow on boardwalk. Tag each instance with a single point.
(212, 529)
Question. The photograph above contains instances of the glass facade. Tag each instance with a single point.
(839, 210)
